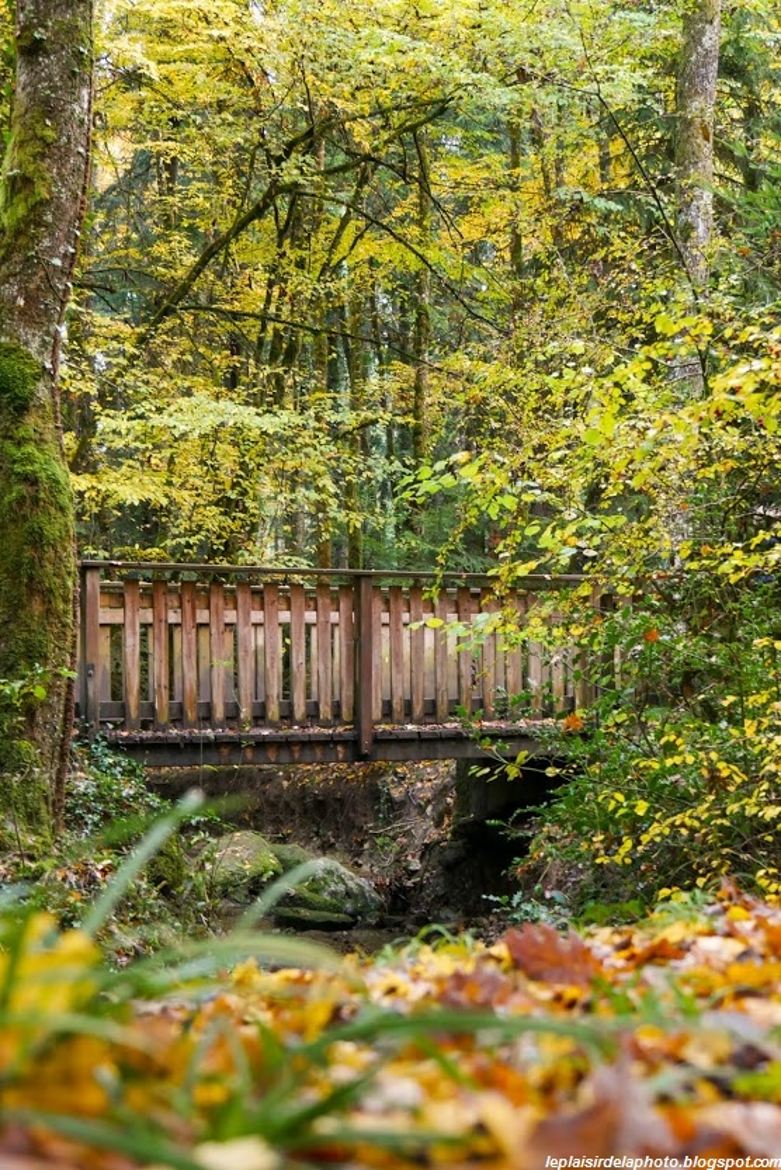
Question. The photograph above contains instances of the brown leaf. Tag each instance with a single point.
(621, 1120)
(483, 987)
(547, 956)
(754, 1126)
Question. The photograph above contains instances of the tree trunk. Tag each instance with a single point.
(45, 178)
(422, 307)
(695, 106)
(516, 227)
(355, 359)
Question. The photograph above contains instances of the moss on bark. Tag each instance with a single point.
(20, 375)
(35, 585)
(36, 569)
(42, 203)
(26, 179)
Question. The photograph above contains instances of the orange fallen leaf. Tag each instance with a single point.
(547, 956)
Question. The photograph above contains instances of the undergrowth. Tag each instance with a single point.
(672, 777)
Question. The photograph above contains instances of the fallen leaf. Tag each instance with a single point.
(547, 956)
(621, 1120)
(755, 1126)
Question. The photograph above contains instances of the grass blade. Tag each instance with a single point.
(285, 884)
(139, 1144)
(149, 846)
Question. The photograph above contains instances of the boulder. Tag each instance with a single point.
(331, 898)
(242, 863)
(289, 856)
(335, 889)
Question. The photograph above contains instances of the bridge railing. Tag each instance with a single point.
(191, 646)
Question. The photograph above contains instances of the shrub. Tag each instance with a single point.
(676, 782)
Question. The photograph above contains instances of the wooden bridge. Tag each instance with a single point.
(184, 664)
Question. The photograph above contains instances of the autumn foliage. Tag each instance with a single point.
(657, 1039)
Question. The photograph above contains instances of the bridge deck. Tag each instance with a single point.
(320, 745)
(181, 663)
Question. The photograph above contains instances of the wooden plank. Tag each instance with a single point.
(175, 636)
(160, 652)
(558, 681)
(396, 649)
(441, 703)
(514, 668)
(324, 654)
(189, 655)
(346, 654)
(313, 658)
(147, 659)
(380, 658)
(259, 627)
(535, 676)
(229, 656)
(131, 656)
(245, 652)
(217, 653)
(90, 649)
(464, 602)
(204, 656)
(489, 605)
(298, 652)
(273, 682)
(417, 638)
(363, 606)
(104, 664)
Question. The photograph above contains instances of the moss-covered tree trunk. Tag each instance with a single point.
(44, 183)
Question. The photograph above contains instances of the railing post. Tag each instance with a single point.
(89, 695)
(364, 663)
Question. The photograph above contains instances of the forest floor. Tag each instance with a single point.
(657, 1040)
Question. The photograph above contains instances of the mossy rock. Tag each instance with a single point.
(305, 899)
(299, 918)
(334, 886)
(242, 863)
(289, 856)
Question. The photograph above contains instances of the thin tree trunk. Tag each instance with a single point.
(516, 228)
(355, 357)
(695, 108)
(45, 178)
(422, 308)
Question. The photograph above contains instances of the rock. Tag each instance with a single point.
(333, 888)
(300, 918)
(242, 863)
(332, 897)
(289, 856)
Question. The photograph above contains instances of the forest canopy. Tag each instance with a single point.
(334, 250)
